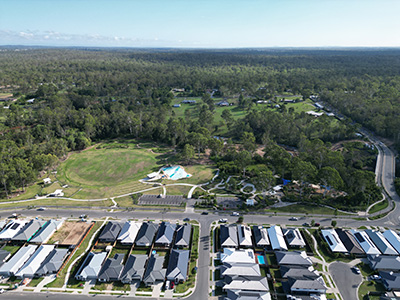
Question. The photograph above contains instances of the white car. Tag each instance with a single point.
(1, 291)
(357, 270)
(223, 220)
(235, 214)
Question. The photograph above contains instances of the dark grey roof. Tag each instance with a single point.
(53, 262)
(112, 268)
(246, 295)
(260, 236)
(165, 233)
(146, 234)
(183, 233)
(26, 232)
(391, 280)
(178, 265)
(315, 284)
(381, 242)
(298, 272)
(349, 241)
(154, 270)
(228, 236)
(292, 258)
(384, 262)
(134, 268)
(110, 231)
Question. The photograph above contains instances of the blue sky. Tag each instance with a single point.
(201, 23)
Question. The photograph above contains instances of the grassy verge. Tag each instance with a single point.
(370, 286)
(379, 206)
(307, 210)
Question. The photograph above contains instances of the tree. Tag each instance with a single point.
(333, 223)
(249, 142)
(188, 153)
(243, 159)
(228, 118)
(330, 177)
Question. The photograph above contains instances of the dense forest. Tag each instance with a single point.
(88, 95)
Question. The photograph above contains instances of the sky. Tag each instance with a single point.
(201, 23)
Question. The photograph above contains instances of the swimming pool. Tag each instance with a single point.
(261, 259)
(175, 172)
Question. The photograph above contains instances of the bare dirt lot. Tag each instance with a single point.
(71, 233)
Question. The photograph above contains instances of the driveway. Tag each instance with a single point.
(345, 279)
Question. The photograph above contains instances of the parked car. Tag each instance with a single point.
(356, 270)
(186, 219)
(375, 277)
(235, 214)
(223, 220)
(167, 285)
(83, 216)
(317, 224)
(172, 284)
(306, 225)
(204, 213)
(41, 209)
(1, 291)
(293, 219)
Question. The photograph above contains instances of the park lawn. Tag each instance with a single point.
(59, 282)
(58, 202)
(178, 190)
(379, 206)
(306, 209)
(370, 286)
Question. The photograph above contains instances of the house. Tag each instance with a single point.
(314, 113)
(305, 286)
(230, 255)
(111, 268)
(299, 272)
(29, 230)
(178, 265)
(33, 264)
(182, 238)
(17, 260)
(47, 230)
(4, 255)
(384, 262)
(176, 105)
(250, 202)
(228, 236)
(380, 242)
(260, 236)
(245, 269)
(393, 238)
(47, 180)
(134, 268)
(244, 235)
(129, 232)
(30, 101)
(53, 262)
(390, 280)
(318, 105)
(246, 283)
(247, 295)
(350, 242)
(293, 258)
(333, 240)
(146, 234)
(57, 193)
(165, 234)
(276, 238)
(223, 103)
(154, 271)
(11, 229)
(294, 238)
(91, 266)
(110, 232)
(365, 242)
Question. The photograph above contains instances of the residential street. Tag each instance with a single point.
(345, 279)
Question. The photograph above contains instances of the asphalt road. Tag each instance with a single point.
(345, 279)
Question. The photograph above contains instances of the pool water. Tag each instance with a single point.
(261, 260)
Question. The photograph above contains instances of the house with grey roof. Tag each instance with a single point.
(53, 262)
(134, 268)
(91, 266)
(246, 283)
(293, 258)
(154, 271)
(110, 232)
(299, 272)
(11, 229)
(350, 242)
(244, 236)
(260, 235)
(17, 260)
(29, 269)
(247, 295)
(390, 280)
(47, 230)
(246, 269)
(228, 236)
(304, 286)
(384, 262)
(182, 237)
(29, 230)
(165, 234)
(380, 241)
(146, 234)
(294, 238)
(178, 264)
(112, 268)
